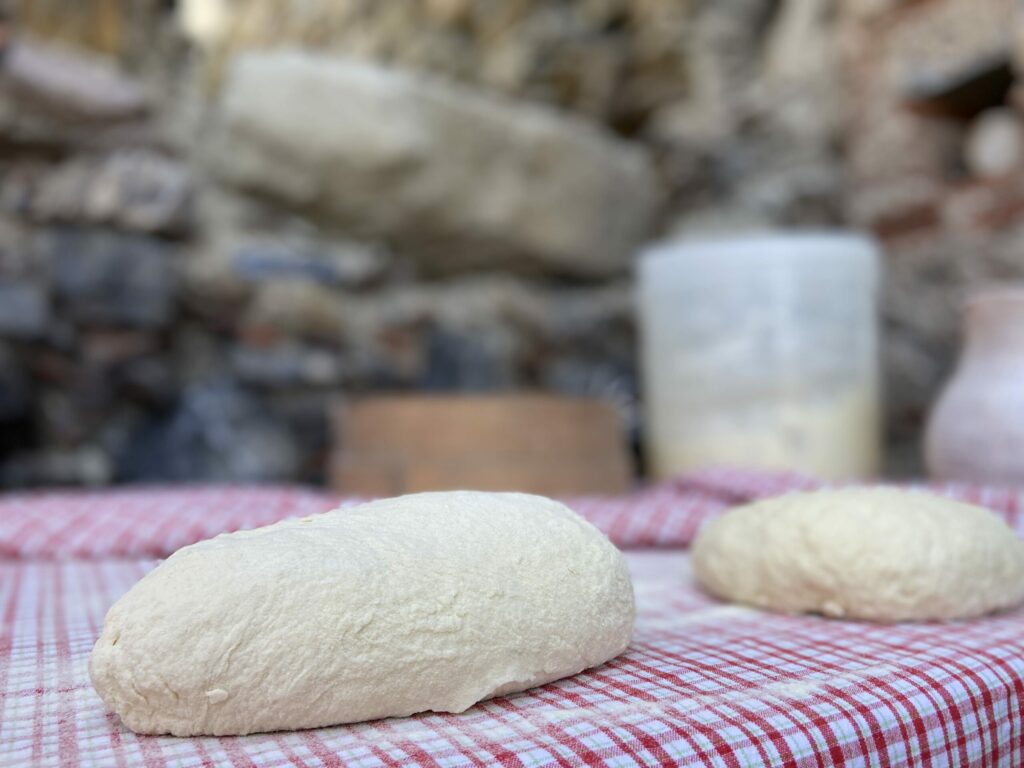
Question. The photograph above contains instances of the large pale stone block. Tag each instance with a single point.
(456, 176)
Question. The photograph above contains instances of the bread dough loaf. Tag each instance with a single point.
(432, 601)
(879, 554)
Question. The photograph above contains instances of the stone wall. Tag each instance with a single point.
(935, 150)
(217, 216)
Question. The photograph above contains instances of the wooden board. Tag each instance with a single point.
(532, 443)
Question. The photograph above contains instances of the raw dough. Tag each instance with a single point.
(863, 553)
(432, 601)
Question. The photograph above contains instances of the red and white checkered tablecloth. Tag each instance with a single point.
(153, 522)
(703, 683)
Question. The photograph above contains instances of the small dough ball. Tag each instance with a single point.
(878, 554)
(432, 601)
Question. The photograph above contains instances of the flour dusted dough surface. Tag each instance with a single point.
(432, 601)
(879, 554)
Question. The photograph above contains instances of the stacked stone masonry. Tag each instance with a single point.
(217, 216)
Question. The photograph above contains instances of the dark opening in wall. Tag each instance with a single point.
(962, 94)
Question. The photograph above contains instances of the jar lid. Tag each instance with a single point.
(836, 255)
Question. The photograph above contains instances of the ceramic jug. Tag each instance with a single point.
(976, 429)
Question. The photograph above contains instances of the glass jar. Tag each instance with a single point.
(762, 352)
(976, 429)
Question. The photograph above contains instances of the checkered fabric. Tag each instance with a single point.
(153, 522)
(702, 683)
(156, 522)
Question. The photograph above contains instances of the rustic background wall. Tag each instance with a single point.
(217, 215)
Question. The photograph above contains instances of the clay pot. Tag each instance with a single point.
(976, 429)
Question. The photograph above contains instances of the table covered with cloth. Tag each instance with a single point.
(702, 683)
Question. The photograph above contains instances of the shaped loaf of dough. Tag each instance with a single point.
(879, 554)
(431, 601)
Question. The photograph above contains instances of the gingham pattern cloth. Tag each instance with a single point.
(702, 683)
(153, 522)
(156, 522)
